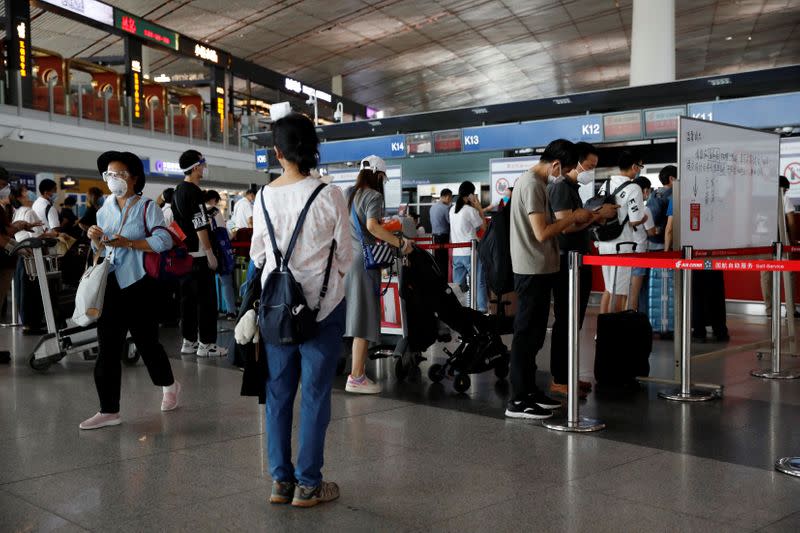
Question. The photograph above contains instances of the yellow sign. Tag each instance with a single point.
(137, 107)
(221, 113)
(23, 64)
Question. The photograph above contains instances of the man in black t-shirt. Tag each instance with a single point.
(565, 198)
(198, 291)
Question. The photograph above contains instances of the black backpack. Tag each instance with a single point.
(494, 252)
(610, 229)
(284, 314)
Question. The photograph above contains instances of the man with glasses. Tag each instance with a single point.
(630, 214)
(198, 291)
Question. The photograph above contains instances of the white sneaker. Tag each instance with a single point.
(363, 385)
(211, 350)
(189, 347)
(101, 420)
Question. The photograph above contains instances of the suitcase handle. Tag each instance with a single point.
(614, 277)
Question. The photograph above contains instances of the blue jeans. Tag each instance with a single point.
(226, 288)
(314, 362)
(461, 271)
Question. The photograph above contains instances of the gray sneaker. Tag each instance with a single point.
(282, 492)
(311, 496)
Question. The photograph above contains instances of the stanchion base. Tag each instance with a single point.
(788, 465)
(583, 425)
(13, 325)
(769, 374)
(692, 396)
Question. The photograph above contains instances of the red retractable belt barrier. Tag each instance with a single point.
(791, 249)
(731, 252)
(693, 264)
(446, 246)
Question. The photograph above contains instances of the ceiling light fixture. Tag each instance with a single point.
(729, 38)
(749, 37)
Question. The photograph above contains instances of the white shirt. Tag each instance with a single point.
(327, 220)
(242, 211)
(50, 219)
(169, 218)
(632, 207)
(641, 230)
(464, 227)
(26, 214)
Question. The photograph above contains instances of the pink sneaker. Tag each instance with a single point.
(170, 400)
(101, 420)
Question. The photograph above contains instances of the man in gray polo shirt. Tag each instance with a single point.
(440, 227)
(535, 261)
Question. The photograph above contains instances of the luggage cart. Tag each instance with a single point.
(41, 263)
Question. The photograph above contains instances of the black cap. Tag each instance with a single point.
(783, 181)
(130, 160)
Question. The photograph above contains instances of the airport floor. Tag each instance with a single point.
(418, 457)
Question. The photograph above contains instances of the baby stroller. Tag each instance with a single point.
(428, 298)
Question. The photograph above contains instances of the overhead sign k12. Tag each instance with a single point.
(532, 134)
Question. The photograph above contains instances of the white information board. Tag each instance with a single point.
(505, 171)
(728, 185)
(790, 166)
(392, 190)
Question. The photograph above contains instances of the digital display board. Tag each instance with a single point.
(662, 122)
(447, 141)
(145, 29)
(622, 126)
(92, 9)
(419, 143)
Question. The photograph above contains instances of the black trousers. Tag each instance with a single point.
(708, 302)
(442, 256)
(128, 309)
(199, 303)
(560, 336)
(530, 329)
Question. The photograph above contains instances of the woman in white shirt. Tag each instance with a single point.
(466, 218)
(313, 362)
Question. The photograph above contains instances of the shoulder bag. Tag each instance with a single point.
(92, 285)
(172, 264)
(376, 256)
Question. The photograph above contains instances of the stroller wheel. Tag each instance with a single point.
(436, 373)
(400, 370)
(462, 383)
(131, 355)
(501, 370)
(40, 365)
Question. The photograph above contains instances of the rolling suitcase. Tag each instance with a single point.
(661, 302)
(624, 343)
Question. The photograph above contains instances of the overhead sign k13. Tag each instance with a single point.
(531, 134)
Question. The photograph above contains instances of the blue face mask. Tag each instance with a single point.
(101, 201)
(31, 196)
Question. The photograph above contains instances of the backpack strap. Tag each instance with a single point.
(619, 189)
(356, 221)
(281, 260)
(144, 218)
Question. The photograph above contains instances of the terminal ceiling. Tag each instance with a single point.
(408, 56)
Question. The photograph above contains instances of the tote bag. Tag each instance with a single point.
(92, 286)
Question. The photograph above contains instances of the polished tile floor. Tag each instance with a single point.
(419, 457)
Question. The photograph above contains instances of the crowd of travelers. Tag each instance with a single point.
(316, 254)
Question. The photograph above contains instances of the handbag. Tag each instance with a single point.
(376, 256)
(170, 265)
(92, 286)
(223, 249)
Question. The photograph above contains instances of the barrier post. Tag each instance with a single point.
(51, 104)
(775, 372)
(130, 114)
(686, 393)
(473, 274)
(14, 307)
(18, 96)
(574, 423)
(80, 104)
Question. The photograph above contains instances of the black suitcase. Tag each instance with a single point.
(624, 343)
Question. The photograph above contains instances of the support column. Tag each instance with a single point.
(653, 42)
(18, 39)
(217, 102)
(134, 80)
(336, 85)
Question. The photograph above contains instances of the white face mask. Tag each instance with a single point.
(206, 173)
(586, 177)
(5, 192)
(553, 177)
(118, 187)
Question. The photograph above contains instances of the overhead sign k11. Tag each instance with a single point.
(532, 134)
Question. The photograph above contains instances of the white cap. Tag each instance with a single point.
(374, 163)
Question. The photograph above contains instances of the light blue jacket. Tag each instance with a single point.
(128, 264)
